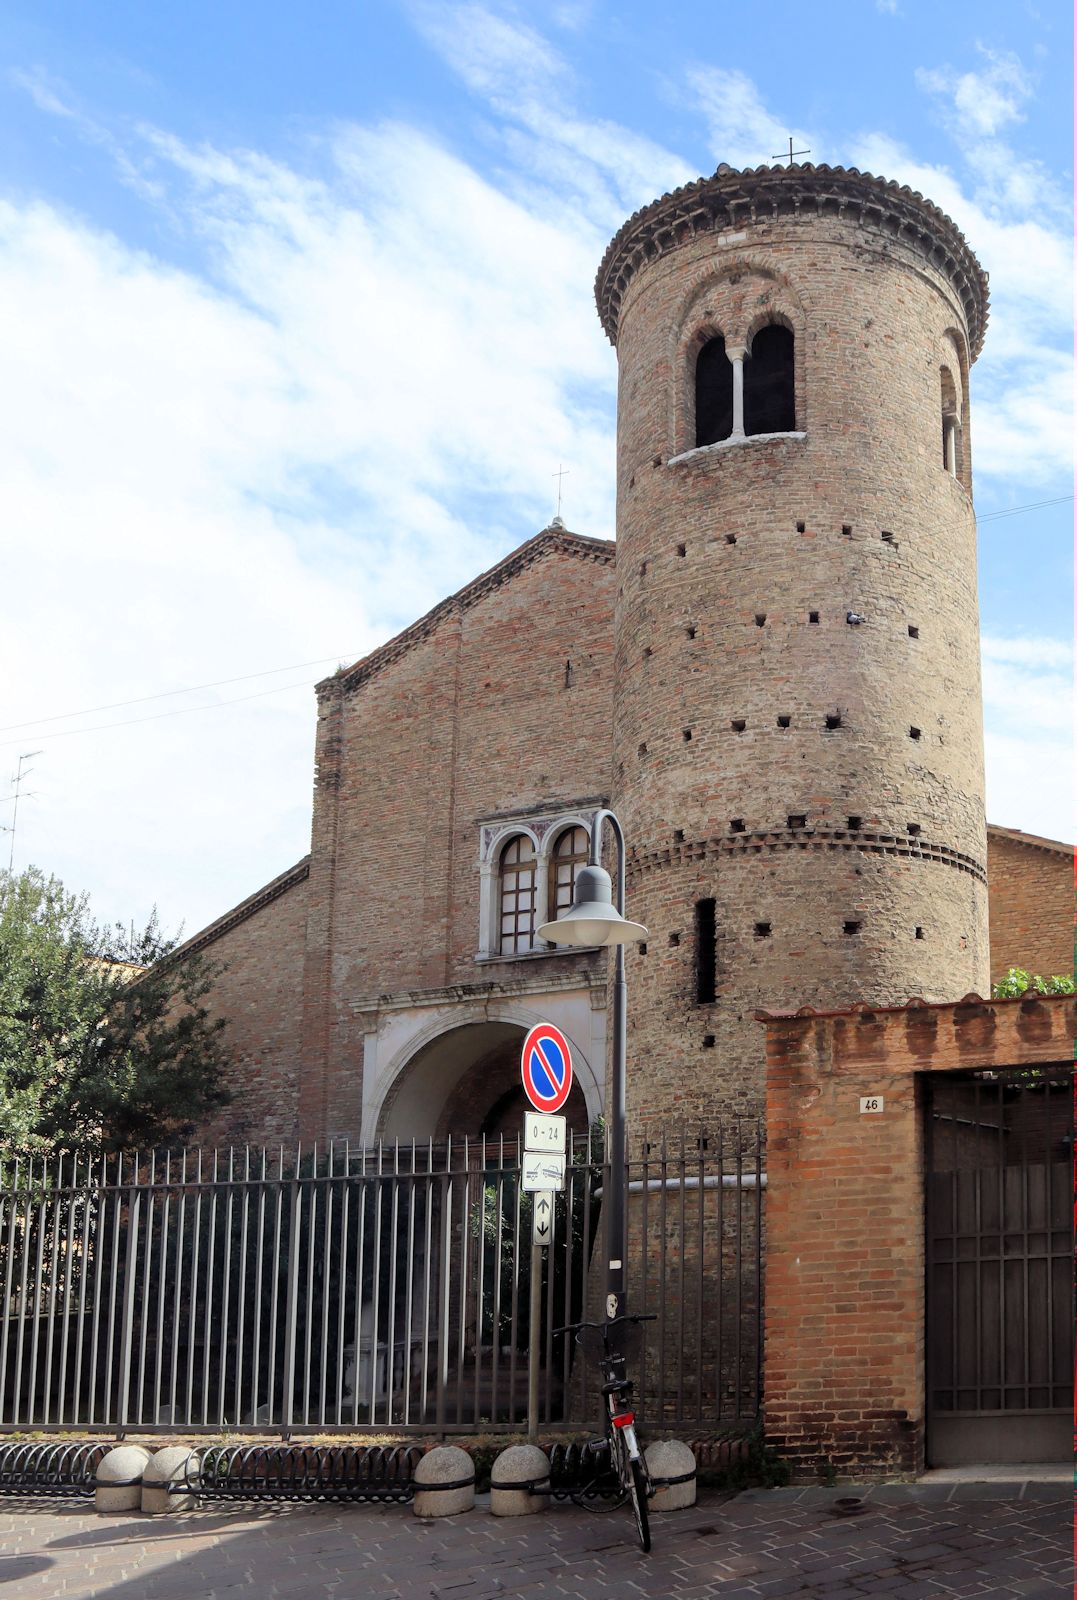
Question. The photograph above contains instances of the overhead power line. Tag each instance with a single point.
(1015, 511)
(177, 711)
(167, 694)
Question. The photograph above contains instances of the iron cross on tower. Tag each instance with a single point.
(562, 472)
(792, 153)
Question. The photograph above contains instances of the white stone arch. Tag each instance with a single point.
(558, 825)
(716, 301)
(405, 1047)
(490, 881)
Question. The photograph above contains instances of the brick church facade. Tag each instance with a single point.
(773, 677)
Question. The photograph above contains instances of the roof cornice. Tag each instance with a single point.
(730, 199)
(247, 908)
(552, 540)
(1032, 841)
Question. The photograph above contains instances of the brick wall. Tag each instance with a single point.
(1030, 886)
(844, 1355)
(260, 993)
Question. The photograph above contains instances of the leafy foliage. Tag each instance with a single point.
(103, 1040)
(1018, 982)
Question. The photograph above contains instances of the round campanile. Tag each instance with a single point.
(798, 740)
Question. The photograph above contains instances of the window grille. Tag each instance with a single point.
(517, 896)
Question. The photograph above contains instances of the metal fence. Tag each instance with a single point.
(378, 1290)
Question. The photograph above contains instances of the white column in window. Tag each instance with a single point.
(950, 426)
(736, 356)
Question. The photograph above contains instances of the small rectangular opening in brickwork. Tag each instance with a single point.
(919, 933)
(708, 1041)
(682, 549)
(914, 828)
(833, 721)
(686, 734)
(850, 929)
(855, 822)
(674, 939)
(678, 836)
(647, 652)
(813, 616)
(784, 722)
(736, 825)
(914, 633)
(762, 930)
(730, 538)
(760, 618)
(642, 947)
(643, 569)
(642, 750)
(690, 631)
(738, 724)
(847, 530)
(887, 537)
(706, 952)
(796, 819)
(800, 527)
(914, 733)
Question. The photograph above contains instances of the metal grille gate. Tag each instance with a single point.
(999, 1266)
(372, 1290)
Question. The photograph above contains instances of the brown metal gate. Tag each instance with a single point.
(999, 1192)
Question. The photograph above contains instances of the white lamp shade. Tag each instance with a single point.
(593, 918)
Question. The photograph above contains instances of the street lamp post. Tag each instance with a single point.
(594, 919)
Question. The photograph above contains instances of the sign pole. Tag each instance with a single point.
(534, 1340)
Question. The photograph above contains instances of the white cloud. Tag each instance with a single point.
(741, 130)
(982, 102)
(887, 8)
(1028, 718)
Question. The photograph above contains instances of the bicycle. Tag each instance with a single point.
(620, 1442)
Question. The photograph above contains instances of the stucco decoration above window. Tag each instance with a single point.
(546, 850)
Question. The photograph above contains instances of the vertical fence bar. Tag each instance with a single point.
(428, 1256)
(192, 1321)
(241, 1293)
(394, 1247)
(360, 1255)
(758, 1267)
(181, 1239)
(130, 1275)
(68, 1306)
(9, 1214)
(291, 1308)
(375, 1321)
(276, 1414)
(342, 1282)
(43, 1209)
(162, 1278)
(53, 1274)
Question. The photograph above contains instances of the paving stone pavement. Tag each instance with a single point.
(902, 1542)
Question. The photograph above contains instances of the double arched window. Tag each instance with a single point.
(742, 396)
(531, 890)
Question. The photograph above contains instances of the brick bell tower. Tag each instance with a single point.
(797, 727)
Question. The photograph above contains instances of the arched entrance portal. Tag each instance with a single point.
(466, 1081)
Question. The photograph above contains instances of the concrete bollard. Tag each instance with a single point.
(511, 1477)
(165, 1480)
(672, 1468)
(118, 1483)
(444, 1482)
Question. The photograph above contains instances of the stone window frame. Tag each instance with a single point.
(704, 317)
(543, 829)
(953, 392)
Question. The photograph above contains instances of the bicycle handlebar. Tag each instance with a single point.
(610, 1322)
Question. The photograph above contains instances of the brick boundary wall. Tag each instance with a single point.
(844, 1350)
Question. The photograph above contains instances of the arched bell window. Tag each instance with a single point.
(769, 398)
(951, 421)
(714, 393)
(569, 854)
(517, 888)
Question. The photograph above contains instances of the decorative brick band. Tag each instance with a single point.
(806, 839)
(725, 202)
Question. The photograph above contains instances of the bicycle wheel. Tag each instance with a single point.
(637, 1493)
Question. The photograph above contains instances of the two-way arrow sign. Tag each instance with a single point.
(542, 1218)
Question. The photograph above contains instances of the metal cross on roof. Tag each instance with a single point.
(562, 472)
(791, 154)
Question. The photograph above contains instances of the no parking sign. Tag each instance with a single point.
(546, 1067)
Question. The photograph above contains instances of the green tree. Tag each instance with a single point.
(1017, 982)
(103, 1039)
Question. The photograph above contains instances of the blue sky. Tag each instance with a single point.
(297, 325)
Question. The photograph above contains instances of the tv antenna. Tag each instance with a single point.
(17, 782)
